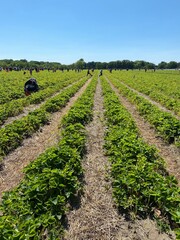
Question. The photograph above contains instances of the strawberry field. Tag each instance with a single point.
(37, 206)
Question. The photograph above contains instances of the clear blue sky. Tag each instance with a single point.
(96, 30)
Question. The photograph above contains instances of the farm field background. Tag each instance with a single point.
(140, 123)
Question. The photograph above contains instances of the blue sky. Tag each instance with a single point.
(96, 30)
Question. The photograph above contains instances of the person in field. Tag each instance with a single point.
(100, 73)
(88, 73)
(30, 86)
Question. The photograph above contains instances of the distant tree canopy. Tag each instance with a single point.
(81, 64)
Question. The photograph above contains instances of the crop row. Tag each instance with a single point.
(12, 135)
(16, 106)
(167, 126)
(12, 83)
(36, 208)
(141, 184)
(163, 89)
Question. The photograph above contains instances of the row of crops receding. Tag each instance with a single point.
(141, 184)
(166, 125)
(161, 86)
(12, 135)
(37, 207)
(12, 83)
(14, 107)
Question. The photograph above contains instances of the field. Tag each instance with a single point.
(90, 157)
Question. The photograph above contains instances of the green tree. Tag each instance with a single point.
(172, 65)
(139, 64)
(150, 65)
(80, 64)
(162, 65)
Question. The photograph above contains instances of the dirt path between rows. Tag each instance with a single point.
(169, 152)
(96, 217)
(152, 101)
(32, 147)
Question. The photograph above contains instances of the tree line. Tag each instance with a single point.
(81, 64)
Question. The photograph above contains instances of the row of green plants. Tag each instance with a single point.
(164, 89)
(36, 208)
(12, 83)
(166, 82)
(15, 107)
(12, 135)
(167, 126)
(141, 184)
